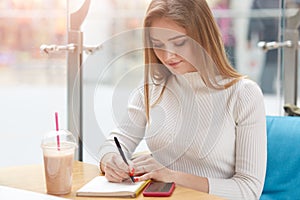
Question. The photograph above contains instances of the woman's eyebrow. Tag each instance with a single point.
(176, 37)
(172, 38)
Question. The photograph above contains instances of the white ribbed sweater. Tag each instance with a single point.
(218, 134)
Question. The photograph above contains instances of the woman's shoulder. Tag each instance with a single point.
(246, 87)
(248, 83)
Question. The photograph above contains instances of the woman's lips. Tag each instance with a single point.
(173, 64)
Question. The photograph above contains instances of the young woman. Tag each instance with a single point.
(203, 122)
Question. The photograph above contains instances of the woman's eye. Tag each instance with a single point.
(157, 45)
(180, 43)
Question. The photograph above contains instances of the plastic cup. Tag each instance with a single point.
(58, 161)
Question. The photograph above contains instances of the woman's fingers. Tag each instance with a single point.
(119, 163)
(113, 175)
(164, 175)
(141, 170)
(142, 158)
(146, 165)
(116, 170)
(145, 177)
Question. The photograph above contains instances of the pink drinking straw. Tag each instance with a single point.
(57, 129)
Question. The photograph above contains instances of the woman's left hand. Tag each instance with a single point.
(149, 168)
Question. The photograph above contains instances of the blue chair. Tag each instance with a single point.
(283, 164)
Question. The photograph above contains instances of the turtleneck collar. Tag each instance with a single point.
(191, 79)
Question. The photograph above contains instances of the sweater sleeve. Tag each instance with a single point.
(251, 148)
(130, 130)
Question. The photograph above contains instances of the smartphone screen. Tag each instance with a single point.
(159, 189)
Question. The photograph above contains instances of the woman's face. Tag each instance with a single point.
(171, 45)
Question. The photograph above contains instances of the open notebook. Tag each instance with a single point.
(101, 187)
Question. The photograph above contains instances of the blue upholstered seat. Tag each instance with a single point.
(283, 164)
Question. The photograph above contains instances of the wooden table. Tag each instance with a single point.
(32, 178)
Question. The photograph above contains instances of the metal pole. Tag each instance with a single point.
(290, 60)
(74, 70)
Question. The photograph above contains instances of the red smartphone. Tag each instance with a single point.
(159, 189)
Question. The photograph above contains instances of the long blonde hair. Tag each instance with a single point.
(196, 18)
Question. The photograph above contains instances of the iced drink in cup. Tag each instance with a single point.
(58, 152)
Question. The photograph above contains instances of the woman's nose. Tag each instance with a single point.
(169, 54)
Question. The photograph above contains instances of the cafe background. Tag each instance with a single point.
(34, 78)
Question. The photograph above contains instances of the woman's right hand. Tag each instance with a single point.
(115, 169)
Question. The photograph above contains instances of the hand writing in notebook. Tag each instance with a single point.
(123, 157)
(116, 170)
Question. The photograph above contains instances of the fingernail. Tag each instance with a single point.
(132, 172)
(136, 179)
